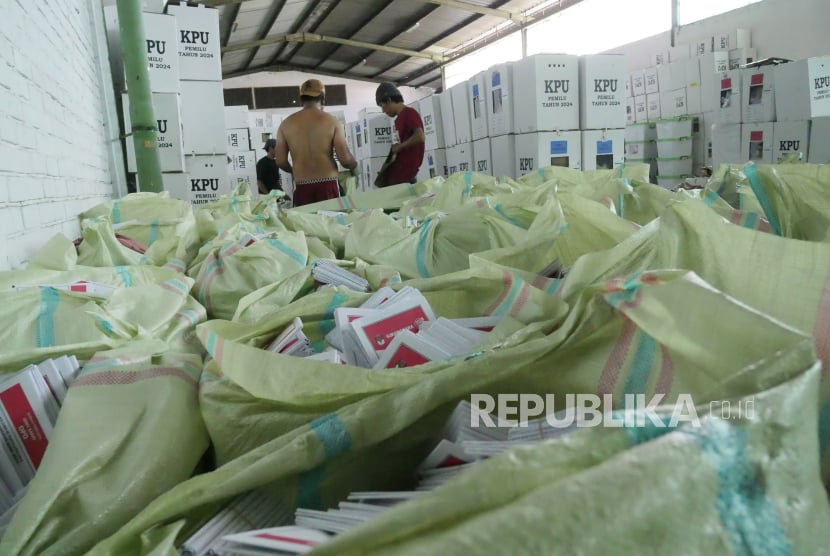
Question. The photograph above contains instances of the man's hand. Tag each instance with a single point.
(396, 148)
(355, 172)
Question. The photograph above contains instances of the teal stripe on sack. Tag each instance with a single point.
(751, 173)
(824, 429)
(421, 251)
(341, 219)
(554, 286)
(749, 517)
(751, 220)
(336, 440)
(468, 181)
(234, 204)
(411, 189)
(211, 343)
(507, 304)
(308, 489)
(333, 435)
(710, 198)
(288, 251)
(116, 213)
(154, 232)
(642, 365)
(125, 276)
(500, 209)
(640, 433)
(49, 299)
(327, 324)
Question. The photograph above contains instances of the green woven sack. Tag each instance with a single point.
(311, 446)
(129, 430)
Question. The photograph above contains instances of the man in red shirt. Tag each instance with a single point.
(409, 149)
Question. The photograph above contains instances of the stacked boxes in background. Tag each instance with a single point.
(374, 135)
(545, 114)
(435, 155)
(242, 158)
(186, 81)
(674, 149)
(701, 81)
(501, 122)
(163, 66)
(202, 100)
(641, 145)
(602, 112)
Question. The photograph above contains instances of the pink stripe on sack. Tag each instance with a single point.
(737, 216)
(219, 349)
(120, 378)
(508, 283)
(521, 299)
(541, 282)
(174, 289)
(666, 380)
(822, 328)
(611, 372)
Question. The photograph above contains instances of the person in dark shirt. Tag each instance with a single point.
(409, 149)
(267, 172)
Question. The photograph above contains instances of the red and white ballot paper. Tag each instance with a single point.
(390, 330)
(276, 540)
(29, 404)
(373, 333)
(93, 289)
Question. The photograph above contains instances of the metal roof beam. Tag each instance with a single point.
(355, 30)
(273, 13)
(475, 8)
(314, 37)
(227, 22)
(300, 68)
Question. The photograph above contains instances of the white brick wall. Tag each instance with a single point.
(54, 152)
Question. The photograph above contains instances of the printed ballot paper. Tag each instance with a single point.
(459, 448)
(30, 401)
(389, 330)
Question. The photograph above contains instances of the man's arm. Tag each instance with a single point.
(416, 139)
(344, 155)
(282, 153)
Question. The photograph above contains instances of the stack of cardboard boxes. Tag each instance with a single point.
(515, 118)
(242, 155)
(183, 52)
(676, 86)
(783, 112)
(372, 136)
(205, 177)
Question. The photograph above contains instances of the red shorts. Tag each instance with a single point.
(314, 191)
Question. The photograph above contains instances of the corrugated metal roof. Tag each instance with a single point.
(416, 26)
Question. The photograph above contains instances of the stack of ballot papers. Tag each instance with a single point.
(81, 286)
(390, 330)
(400, 329)
(30, 400)
(253, 510)
(292, 341)
(328, 273)
(311, 528)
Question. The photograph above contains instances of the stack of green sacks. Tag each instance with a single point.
(720, 295)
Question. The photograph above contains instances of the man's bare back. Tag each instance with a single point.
(310, 135)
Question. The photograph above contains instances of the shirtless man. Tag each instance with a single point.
(309, 135)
